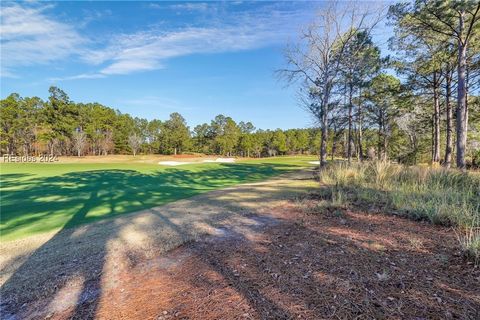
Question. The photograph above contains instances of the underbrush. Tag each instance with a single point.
(446, 197)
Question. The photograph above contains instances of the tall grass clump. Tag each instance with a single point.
(442, 196)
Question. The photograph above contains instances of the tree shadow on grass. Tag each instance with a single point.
(79, 255)
(41, 205)
(9, 180)
(30, 282)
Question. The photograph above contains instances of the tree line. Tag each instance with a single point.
(59, 126)
(422, 100)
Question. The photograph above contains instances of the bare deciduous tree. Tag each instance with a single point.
(316, 59)
(106, 143)
(134, 141)
(79, 141)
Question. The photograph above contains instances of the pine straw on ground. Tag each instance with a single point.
(343, 265)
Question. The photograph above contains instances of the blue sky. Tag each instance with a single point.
(150, 59)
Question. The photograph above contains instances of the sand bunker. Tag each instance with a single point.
(314, 162)
(179, 163)
(173, 163)
(224, 160)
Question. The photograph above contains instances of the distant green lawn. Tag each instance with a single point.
(38, 198)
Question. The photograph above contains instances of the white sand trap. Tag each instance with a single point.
(224, 160)
(314, 162)
(179, 163)
(173, 163)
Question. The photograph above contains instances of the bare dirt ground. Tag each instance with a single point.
(248, 253)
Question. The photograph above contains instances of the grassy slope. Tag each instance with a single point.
(37, 198)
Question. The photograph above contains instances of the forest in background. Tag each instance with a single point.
(59, 126)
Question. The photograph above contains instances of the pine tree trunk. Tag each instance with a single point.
(334, 142)
(360, 132)
(324, 122)
(436, 120)
(323, 142)
(449, 142)
(379, 145)
(461, 101)
(350, 133)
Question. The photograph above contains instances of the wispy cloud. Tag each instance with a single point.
(149, 50)
(191, 6)
(5, 73)
(29, 37)
(187, 6)
(79, 76)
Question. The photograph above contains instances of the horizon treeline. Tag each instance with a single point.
(59, 126)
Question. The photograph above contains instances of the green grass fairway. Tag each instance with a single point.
(38, 198)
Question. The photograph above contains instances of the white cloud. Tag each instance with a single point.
(148, 50)
(29, 37)
(187, 6)
(191, 6)
(79, 76)
(5, 73)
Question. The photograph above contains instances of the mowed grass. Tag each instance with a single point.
(38, 198)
